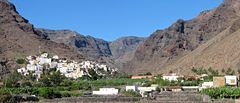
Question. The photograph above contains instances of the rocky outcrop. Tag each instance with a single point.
(166, 46)
(118, 52)
(87, 45)
(123, 49)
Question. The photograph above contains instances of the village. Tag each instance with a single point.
(161, 87)
(68, 68)
(218, 81)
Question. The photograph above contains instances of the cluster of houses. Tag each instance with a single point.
(228, 80)
(144, 91)
(68, 68)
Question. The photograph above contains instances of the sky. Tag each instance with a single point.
(110, 19)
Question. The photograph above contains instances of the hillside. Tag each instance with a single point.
(123, 49)
(19, 39)
(204, 41)
(164, 49)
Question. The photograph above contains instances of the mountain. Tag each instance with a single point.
(191, 43)
(123, 49)
(87, 45)
(18, 38)
(118, 52)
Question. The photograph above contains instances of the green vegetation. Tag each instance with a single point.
(89, 84)
(222, 92)
(5, 96)
(20, 61)
(230, 72)
(13, 80)
(131, 93)
(54, 85)
(52, 79)
(212, 72)
(199, 71)
(49, 93)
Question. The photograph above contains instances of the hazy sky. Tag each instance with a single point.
(110, 19)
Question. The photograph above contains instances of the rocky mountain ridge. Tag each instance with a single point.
(18, 38)
(164, 47)
(204, 41)
(119, 51)
(87, 45)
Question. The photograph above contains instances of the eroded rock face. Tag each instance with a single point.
(123, 49)
(18, 38)
(164, 46)
(90, 46)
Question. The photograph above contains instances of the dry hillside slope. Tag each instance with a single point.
(19, 39)
(167, 47)
(221, 52)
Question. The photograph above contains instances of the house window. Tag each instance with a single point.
(232, 81)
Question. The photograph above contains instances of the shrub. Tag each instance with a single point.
(5, 96)
(20, 61)
(131, 93)
(222, 92)
(49, 93)
(12, 79)
(65, 94)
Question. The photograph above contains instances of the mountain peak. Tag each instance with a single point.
(6, 5)
(235, 4)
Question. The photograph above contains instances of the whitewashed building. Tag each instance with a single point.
(69, 68)
(143, 90)
(171, 77)
(231, 80)
(131, 88)
(106, 91)
(206, 85)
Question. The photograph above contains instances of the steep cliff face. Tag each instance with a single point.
(18, 38)
(90, 46)
(123, 49)
(164, 47)
(119, 51)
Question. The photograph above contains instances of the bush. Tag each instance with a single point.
(5, 96)
(131, 93)
(76, 94)
(222, 92)
(20, 61)
(12, 79)
(65, 94)
(66, 82)
(49, 93)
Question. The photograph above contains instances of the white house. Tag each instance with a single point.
(53, 65)
(231, 80)
(22, 70)
(206, 85)
(31, 67)
(69, 68)
(106, 91)
(63, 70)
(171, 77)
(55, 57)
(142, 90)
(45, 61)
(131, 88)
(44, 55)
